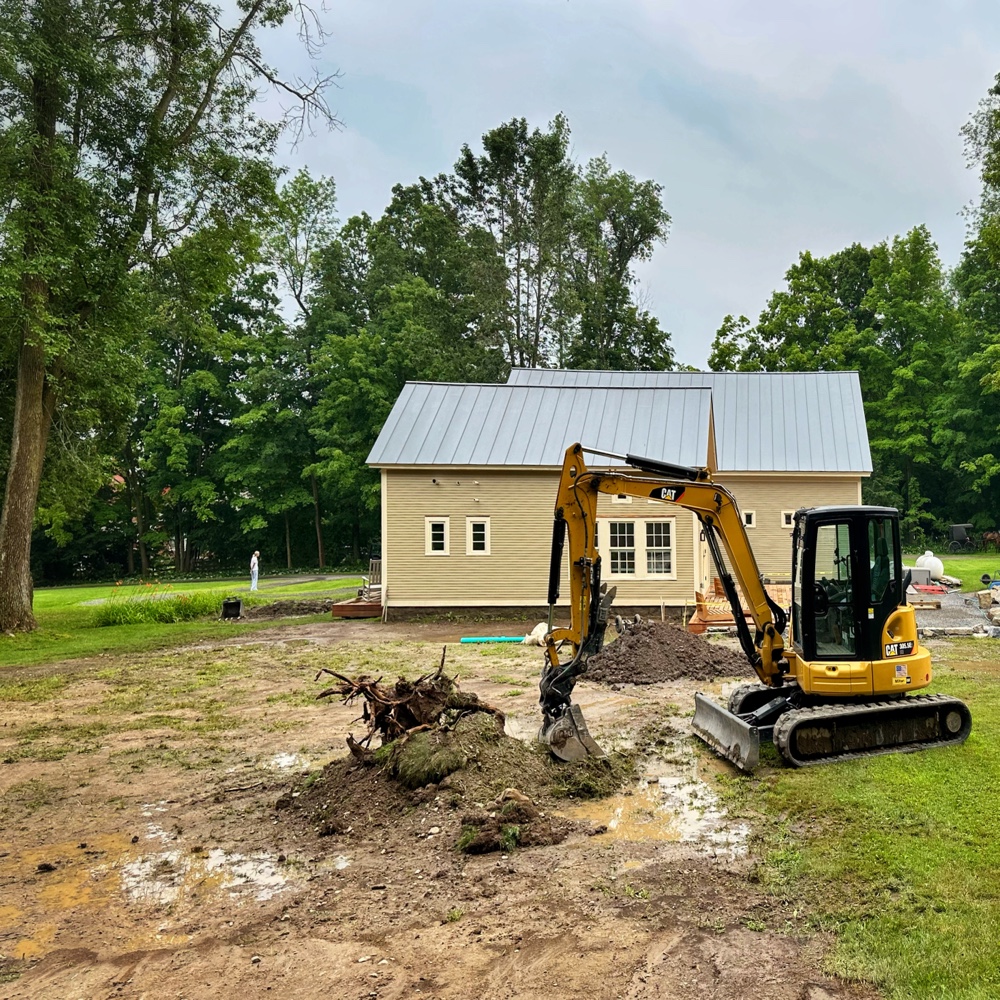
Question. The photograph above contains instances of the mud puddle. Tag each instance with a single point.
(671, 802)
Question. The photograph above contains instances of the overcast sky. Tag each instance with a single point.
(774, 126)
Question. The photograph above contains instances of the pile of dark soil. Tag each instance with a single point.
(289, 609)
(514, 822)
(653, 651)
(461, 778)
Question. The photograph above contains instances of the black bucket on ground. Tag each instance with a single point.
(232, 607)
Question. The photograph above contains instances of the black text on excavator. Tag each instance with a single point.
(841, 689)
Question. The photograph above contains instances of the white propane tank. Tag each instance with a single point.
(932, 563)
(921, 562)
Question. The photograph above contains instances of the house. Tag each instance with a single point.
(469, 475)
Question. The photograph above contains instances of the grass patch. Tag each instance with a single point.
(35, 689)
(594, 777)
(423, 759)
(465, 838)
(25, 798)
(66, 627)
(897, 854)
(147, 604)
(510, 837)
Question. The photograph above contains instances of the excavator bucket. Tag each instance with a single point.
(568, 737)
(726, 733)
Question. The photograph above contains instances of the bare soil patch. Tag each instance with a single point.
(651, 652)
(289, 609)
(192, 825)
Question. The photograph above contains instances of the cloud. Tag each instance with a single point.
(774, 126)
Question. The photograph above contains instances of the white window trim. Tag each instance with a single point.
(634, 549)
(428, 521)
(641, 573)
(469, 550)
(790, 514)
(752, 523)
(671, 548)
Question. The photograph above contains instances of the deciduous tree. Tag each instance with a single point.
(122, 127)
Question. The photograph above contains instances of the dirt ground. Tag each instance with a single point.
(152, 842)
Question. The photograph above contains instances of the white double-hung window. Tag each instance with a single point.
(640, 549)
(477, 536)
(621, 547)
(436, 536)
(659, 552)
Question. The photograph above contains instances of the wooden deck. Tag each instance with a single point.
(357, 607)
(713, 610)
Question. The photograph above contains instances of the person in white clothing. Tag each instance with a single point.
(254, 563)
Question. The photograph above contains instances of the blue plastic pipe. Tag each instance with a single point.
(493, 638)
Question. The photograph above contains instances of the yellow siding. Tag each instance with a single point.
(519, 507)
(518, 504)
(768, 496)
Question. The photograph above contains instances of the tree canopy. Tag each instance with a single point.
(246, 346)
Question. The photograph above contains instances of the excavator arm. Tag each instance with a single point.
(568, 649)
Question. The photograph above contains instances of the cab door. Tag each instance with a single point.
(884, 590)
(824, 592)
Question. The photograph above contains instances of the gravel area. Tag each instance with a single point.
(957, 610)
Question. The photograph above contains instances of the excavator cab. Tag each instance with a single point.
(846, 582)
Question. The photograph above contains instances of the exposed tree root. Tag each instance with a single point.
(433, 701)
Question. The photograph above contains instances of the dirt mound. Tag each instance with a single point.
(289, 609)
(653, 651)
(478, 788)
(515, 822)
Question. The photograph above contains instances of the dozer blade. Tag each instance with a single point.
(726, 733)
(568, 737)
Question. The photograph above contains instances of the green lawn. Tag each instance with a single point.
(898, 855)
(67, 627)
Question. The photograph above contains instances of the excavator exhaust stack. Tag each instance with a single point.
(727, 734)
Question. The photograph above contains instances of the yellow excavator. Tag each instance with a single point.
(840, 689)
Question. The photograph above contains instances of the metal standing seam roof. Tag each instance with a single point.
(764, 421)
(435, 423)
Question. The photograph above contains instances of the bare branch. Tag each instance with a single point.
(311, 31)
(310, 96)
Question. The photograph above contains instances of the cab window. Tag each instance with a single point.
(882, 559)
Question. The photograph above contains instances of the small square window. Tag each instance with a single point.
(749, 519)
(436, 536)
(477, 536)
(621, 498)
(788, 518)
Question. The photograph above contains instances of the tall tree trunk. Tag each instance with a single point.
(288, 542)
(319, 522)
(137, 505)
(34, 397)
(140, 530)
(34, 404)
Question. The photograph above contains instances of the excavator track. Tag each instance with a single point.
(826, 733)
